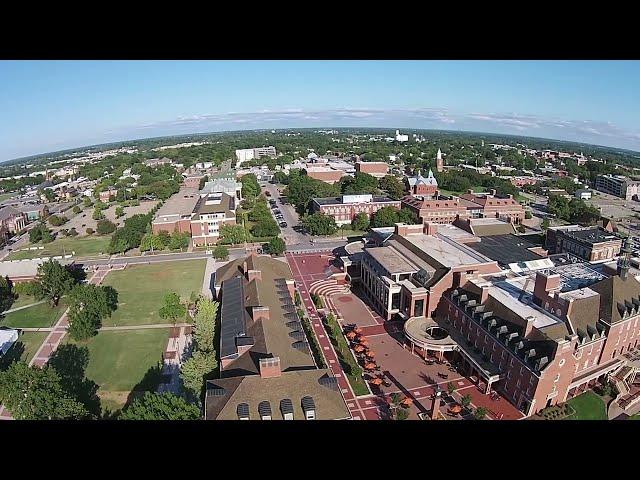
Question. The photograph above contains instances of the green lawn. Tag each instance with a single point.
(588, 406)
(22, 301)
(141, 289)
(5, 196)
(41, 315)
(122, 361)
(26, 347)
(82, 247)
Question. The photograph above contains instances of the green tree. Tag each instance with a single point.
(319, 224)
(480, 413)
(73, 232)
(220, 252)
(49, 194)
(160, 406)
(39, 232)
(151, 242)
(86, 201)
(196, 370)
(90, 231)
(265, 228)
(6, 294)
(179, 241)
(105, 227)
(360, 183)
(250, 185)
(406, 215)
(385, 217)
(56, 220)
(205, 321)
(451, 388)
(55, 281)
(280, 177)
(119, 212)
(76, 209)
(34, 393)
(164, 237)
(97, 214)
(393, 186)
(232, 234)
(465, 400)
(118, 245)
(276, 246)
(545, 224)
(88, 306)
(527, 214)
(360, 222)
(172, 308)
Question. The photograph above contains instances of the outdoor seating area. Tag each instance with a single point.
(366, 356)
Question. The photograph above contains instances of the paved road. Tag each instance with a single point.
(290, 215)
(318, 245)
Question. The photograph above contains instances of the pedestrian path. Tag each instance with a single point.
(179, 341)
(23, 307)
(56, 334)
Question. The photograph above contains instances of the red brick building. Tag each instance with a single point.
(376, 169)
(345, 208)
(593, 244)
(325, 174)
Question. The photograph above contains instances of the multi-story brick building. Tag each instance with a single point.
(376, 169)
(175, 215)
(421, 186)
(12, 220)
(443, 209)
(406, 274)
(324, 174)
(345, 208)
(543, 338)
(618, 185)
(593, 244)
(267, 370)
(211, 212)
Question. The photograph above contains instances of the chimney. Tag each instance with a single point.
(493, 192)
(545, 283)
(470, 190)
(270, 367)
(529, 326)
(430, 228)
(484, 294)
(254, 274)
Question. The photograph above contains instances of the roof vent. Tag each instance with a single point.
(243, 411)
(264, 409)
(330, 382)
(286, 407)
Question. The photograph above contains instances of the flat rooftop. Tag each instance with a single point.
(589, 235)
(338, 200)
(506, 249)
(445, 251)
(181, 203)
(391, 260)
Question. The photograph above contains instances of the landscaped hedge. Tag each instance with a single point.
(313, 341)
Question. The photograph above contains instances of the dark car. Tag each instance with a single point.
(283, 224)
(277, 211)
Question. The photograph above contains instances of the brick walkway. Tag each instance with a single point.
(57, 333)
(306, 269)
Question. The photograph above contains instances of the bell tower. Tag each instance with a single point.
(439, 162)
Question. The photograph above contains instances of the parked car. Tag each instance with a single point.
(283, 224)
(277, 211)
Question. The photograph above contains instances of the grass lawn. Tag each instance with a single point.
(141, 289)
(121, 361)
(41, 315)
(4, 196)
(83, 247)
(22, 301)
(588, 406)
(24, 349)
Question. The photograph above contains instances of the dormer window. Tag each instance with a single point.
(286, 408)
(264, 409)
(309, 408)
(243, 411)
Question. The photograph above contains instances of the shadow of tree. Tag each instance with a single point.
(77, 272)
(71, 361)
(13, 355)
(149, 383)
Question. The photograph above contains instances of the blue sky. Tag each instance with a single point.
(53, 105)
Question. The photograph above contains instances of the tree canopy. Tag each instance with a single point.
(88, 306)
(55, 281)
(160, 406)
(173, 307)
(319, 224)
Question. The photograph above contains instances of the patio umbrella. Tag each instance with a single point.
(376, 381)
(370, 366)
(455, 409)
(359, 348)
(364, 343)
(351, 335)
(371, 354)
(406, 401)
(357, 330)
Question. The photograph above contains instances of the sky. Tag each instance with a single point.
(47, 106)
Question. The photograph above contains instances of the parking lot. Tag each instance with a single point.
(84, 219)
(288, 215)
